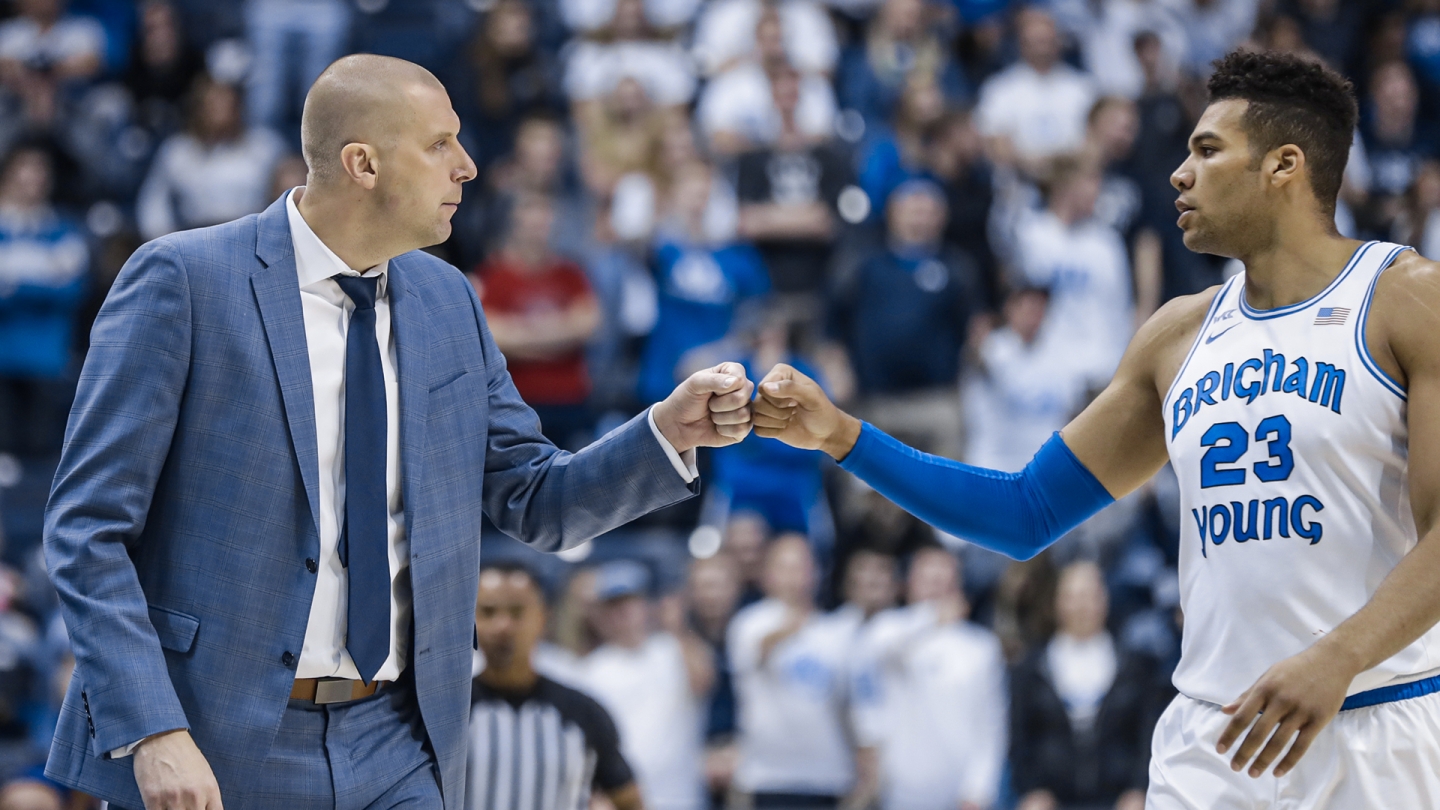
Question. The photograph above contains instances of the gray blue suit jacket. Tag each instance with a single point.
(186, 500)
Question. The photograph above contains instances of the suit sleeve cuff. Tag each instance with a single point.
(684, 463)
(126, 750)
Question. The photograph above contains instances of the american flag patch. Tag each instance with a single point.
(1331, 315)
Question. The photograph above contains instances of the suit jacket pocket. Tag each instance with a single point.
(452, 379)
(175, 629)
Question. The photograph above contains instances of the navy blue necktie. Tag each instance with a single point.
(365, 539)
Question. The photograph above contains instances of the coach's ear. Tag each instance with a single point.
(1284, 166)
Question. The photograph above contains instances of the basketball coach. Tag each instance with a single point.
(265, 525)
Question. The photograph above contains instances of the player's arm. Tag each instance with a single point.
(1106, 452)
(1303, 693)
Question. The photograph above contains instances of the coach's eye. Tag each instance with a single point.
(1207, 151)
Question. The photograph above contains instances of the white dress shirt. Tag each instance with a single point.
(326, 310)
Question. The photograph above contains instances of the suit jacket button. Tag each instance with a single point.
(311, 565)
(288, 659)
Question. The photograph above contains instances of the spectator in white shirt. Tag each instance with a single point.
(1025, 387)
(1037, 107)
(653, 684)
(930, 695)
(789, 664)
(627, 47)
(725, 35)
(870, 588)
(1083, 261)
(217, 170)
(42, 50)
(587, 16)
(1107, 30)
(737, 110)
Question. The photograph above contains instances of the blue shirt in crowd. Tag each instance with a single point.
(43, 259)
(903, 315)
(699, 289)
(780, 482)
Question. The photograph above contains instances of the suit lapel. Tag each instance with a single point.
(277, 291)
(409, 323)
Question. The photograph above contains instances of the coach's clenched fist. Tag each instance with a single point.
(710, 409)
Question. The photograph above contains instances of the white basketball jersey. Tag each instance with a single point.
(1290, 444)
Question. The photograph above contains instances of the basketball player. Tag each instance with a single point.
(1310, 485)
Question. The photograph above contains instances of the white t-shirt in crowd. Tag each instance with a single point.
(662, 68)
(1043, 114)
(792, 710)
(22, 40)
(726, 32)
(590, 15)
(932, 698)
(1019, 397)
(1107, 31)
(647, 692)
(1086, 267)
(190, 186)
(1082, 672)
(739, 100)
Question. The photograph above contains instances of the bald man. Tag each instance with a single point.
(265, 526)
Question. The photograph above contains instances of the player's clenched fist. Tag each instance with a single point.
(794, 409)
(710, 409)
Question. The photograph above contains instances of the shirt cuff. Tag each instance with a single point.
(126, 750)
(684, 463)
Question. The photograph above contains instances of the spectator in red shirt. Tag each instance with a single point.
(541, 311)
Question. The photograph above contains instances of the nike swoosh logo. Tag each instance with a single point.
(1211, 339)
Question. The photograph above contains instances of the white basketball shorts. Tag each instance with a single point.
(1383, 756)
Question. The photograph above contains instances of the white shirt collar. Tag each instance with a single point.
(314, 260)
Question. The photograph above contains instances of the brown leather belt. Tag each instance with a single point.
(332, 690)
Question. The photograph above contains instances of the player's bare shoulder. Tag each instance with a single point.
(1162, 342)
(1404, 317)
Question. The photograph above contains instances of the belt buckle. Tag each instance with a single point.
(333, 690)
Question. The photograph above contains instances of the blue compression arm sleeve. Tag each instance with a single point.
(1017, 514)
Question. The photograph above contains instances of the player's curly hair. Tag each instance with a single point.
(1293, 100)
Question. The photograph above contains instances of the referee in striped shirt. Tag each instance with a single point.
(534, 744)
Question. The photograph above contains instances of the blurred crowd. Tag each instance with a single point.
(951, 212)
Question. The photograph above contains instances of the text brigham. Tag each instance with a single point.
(1260, 375)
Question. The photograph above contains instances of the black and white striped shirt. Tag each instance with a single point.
(544, 749)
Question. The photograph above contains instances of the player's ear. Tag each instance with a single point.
(1284, 165)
